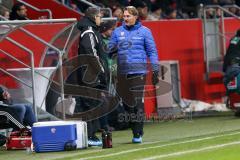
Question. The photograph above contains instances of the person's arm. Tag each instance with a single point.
(88, 44)
(112, 44)
(151, 50)
(225, 63)
(152, 53)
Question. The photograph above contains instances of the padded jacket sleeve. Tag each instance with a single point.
(112, 44)
(151, 50)
(88, 44)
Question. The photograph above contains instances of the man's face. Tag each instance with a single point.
(6, 14)
(129, 19)
(22, 12)
(98, 19)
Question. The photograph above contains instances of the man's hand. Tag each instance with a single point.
(6, 95)
(155, 78)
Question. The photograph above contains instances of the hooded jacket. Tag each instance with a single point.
(134, 46)
(90, 43)
(90, 38)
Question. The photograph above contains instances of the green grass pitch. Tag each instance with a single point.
(208, 138)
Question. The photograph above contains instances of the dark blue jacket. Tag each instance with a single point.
(134, 46)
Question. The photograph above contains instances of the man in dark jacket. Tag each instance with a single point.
(90, 44)
(231, 65)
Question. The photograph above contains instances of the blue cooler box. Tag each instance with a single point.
(53, 135)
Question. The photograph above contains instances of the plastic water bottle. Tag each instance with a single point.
(109, 140)
(104, 140)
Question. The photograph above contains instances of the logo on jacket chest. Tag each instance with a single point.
(133, 37)
(122, 36)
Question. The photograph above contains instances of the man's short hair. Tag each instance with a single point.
(17, 7)
(91, 12)
(132, 10)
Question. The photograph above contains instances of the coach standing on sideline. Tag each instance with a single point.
(90, 44)
(135, 44)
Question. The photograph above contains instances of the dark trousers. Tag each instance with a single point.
(25, 113)
(131, 89)
(92, 125)
(231, 72)
(135, 117)
(13, 118)
(104, 122)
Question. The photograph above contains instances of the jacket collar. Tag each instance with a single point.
(85, 23)
(134, 27)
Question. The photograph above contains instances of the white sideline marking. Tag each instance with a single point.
(191, 151)
(72, 154)
(159, 146)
